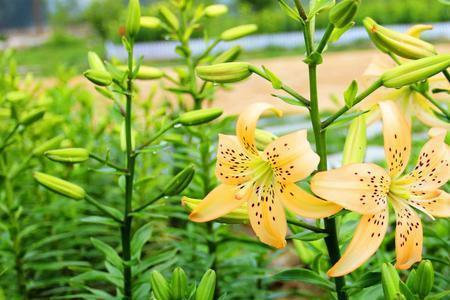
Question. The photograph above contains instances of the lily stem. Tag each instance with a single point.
(305, 225)
(107, 162)
(129, 178)
(331, 239)
(447, 75)
(436, 104)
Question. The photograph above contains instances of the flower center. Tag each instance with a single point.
(399, 190)
(261, 173)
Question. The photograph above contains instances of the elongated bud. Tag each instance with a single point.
(237, 216)
(16, 96)
(415, 71)
(390, 281)
(215, 10)
(31, 117)
(238, 32)
(411, 281)
(417, 30)
(178, 284)
(95, 63)
(150, 22)
(60, 186)
(149, 73)
(98, 77)
(68, 155)
(368, 25)
(178, 183)
(228, 56)
(133, 18)
(425, 278)
(343, 13)
(50, 144)
(123, 138)
(263, 138)
(403, 45)
(356, 142)
(199, 116)
(169, 18)
(207, 286)
(160, 287)
(224, 73)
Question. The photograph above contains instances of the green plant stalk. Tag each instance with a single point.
(107, 162)
(157, 135)
(331, 240)
(95, 203)
(150, 202)
(129, 178)
(447, 75)
(9, 136)
(305, 225)
(326, 36)
(436, 104)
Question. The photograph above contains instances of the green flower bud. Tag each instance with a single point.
(150, 22)
(199, 116)
(16, 96)
(31, 117)
(224, 73)
(95, 63)
(403, 45)
(123, 138)
(133, 18)
(178, 183)
(68, 155)
(228, 56)
(169, 18)
(160, 287)
(179, 284)
(411, 281)
(237, 216)
(60, 186)
(390, 281)
(343, 13)
(52, 143)
(425, 278)
(356, 142)
(238, 32)
(415, 71)
(149, 73)
(215, 10)
(207, 286)
(98, 77)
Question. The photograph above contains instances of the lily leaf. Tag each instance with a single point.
(140, 238)
(319, 6)
(289, 100)
(304, 275)
(350, 94)
(307, 236)
(289, 10)
(345, 119)
(110, 254)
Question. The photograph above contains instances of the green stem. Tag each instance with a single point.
(436, 104)
(325, 38)
(157, 135)
(107, 162)
(207, 51)
(446, 74)
(301, 10)
(331, 240)
(153, 200)
(10, 135)
(305, 225)
(129, 177)
(100, 207)
(377, 84)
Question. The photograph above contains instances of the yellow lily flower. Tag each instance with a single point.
(264, 180)
(367, 189)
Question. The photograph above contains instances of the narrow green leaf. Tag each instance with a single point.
(292, 13)
(304, 275)
(368, 279)
(350, 94)
(345, 119)
(289, 100)
(140, 238)
(307, 236)
(110, 254)
(320, 6)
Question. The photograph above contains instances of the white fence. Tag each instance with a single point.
(165, 50)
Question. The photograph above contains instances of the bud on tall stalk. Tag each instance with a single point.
(169, 18)
(224, 73)
(133, 18)
(98, 77)
(402, 44)
(343, 13)
(228, 56)
(390, 281)
(68, 155)
(160, 287)
(60, 186)
(424, 278)
(215, 10)
(178, 183)
(31, 117)
(415, 71)
(52, 143)
(95, 63)
(238, 32)
(150, 22)
(207, 286)
(199, 116)
(356, 142)
(178, 284)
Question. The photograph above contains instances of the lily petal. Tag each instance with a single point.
(432, 169)
(397, 137)
(232, 165)
(361, 188)
(303, 203)
(367, 239)
(246, 124)
(291, 157)
(436, 203)
(217, 203)
(267, 217)
(408, 235)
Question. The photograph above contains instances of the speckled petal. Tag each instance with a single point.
(367, 239)
(397, 137)
(246, 124)
(291, 157)
(267, 216)
(303, 203)
(361, 188)
(435, 203)
(408, 235)
(232, 165)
